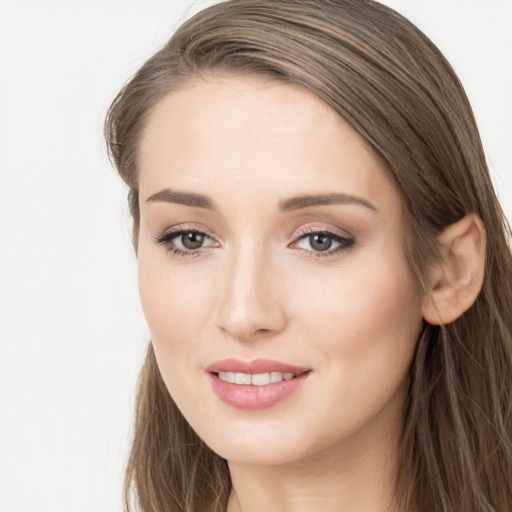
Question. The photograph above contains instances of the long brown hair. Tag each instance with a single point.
(389, 81)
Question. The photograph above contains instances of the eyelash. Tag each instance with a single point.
(166, 239)
(346, 242)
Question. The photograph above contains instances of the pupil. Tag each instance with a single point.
(192, 240)
(320, 242)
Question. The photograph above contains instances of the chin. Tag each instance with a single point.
(252, 442)
(259, 454)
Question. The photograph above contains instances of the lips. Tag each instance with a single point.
(256, 384)
(254, 366)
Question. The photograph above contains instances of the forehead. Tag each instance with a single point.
(254, 136)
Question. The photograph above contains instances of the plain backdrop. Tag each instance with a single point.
(72, 335)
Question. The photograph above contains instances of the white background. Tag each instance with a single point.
(72, 335)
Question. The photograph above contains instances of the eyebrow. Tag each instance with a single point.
(294, 203)
(186, 198)
(305, 201)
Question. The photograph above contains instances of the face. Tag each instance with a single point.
(272, 272)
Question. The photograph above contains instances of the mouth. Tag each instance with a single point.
(257, 384)
(256, 379)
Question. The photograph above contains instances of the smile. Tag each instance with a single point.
(257, 379)
(256, 384)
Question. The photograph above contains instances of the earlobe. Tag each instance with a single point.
(457, 279)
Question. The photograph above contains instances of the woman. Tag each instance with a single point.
(323, 265)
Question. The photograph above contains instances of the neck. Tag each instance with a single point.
(356, 476)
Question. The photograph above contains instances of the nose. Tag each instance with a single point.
(251, 304)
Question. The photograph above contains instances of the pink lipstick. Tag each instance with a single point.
(255, 384)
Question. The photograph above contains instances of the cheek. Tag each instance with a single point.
(365, 326)
(365, 321)
(175, 307)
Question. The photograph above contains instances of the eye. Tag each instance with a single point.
(318, 242)
(323, 243)
(184, 242)
(190, 240)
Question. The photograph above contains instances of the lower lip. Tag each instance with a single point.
(255, 397)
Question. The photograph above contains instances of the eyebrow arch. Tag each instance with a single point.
(186, 198)
(305, 201)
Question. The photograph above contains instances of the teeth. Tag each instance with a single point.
(228, 377)
(260, 379)
(276, 377)
(257, 379)
(242, 378)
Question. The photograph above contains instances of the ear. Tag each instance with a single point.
(456, 280)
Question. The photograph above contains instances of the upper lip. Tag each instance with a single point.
(254, 367)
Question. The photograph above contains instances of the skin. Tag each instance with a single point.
(259, 289)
